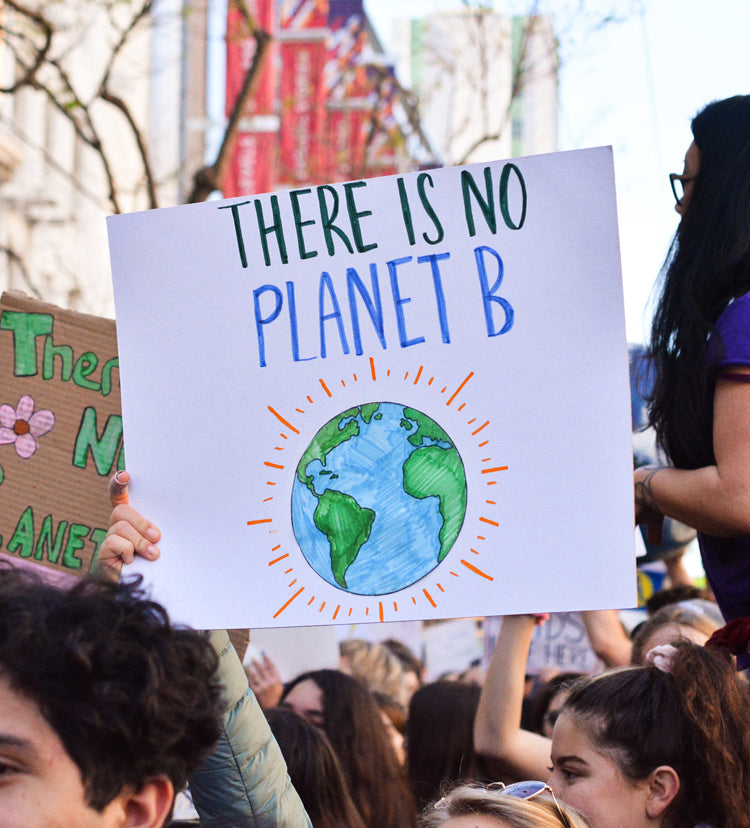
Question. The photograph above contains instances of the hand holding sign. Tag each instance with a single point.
(129, 533)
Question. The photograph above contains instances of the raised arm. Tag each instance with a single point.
(607, 636)
(713, 499)
(518, 754)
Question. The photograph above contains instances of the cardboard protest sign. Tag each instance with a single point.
(389, 399)
(60, 434)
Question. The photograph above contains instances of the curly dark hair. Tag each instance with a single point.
(708, 266)
(130, 695)
(695, 719)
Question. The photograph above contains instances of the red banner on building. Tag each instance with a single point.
(252, 165)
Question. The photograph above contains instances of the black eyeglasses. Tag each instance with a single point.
(678, 182)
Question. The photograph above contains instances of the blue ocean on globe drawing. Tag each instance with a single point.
(404, 544)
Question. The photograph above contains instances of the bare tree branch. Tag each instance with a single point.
(16, 259)
(207, 179)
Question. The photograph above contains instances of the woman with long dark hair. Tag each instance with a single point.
(349, 716)
(700, 347)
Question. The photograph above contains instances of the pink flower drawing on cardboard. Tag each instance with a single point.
(22, 426)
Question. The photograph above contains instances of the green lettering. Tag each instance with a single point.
(46, 542)
(429, 209)
(504, 178)
(406, 210)
(97, 537)
(355, 215)
(276, 228)
(103, 449)
(109, 366)
(238, 229)
(23, 535)
(327, 218)
(76, 536)
(65, 352)
(86, 365)
(487, 206)
(299, 224)
(26, 328)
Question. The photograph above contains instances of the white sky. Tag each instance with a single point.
(634, 84)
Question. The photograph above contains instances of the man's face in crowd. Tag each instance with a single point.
(40, 785)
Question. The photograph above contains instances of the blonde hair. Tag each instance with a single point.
(375, 667)
(479, 800)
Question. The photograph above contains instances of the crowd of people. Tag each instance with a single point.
(108, 710)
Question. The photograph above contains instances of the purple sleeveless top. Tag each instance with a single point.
(727, 560)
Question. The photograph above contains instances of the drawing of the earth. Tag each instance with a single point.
(378, 499)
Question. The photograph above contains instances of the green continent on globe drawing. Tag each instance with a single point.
(330, 436)
(432, 469)
(347, 526)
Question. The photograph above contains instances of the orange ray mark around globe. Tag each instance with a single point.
(460, 388)
(476, 570)
(287, 571)
(482, 445)
(273, 465)
(414, 600)
(372, 369)
(455, 574)
(406, 375)
(325, 387)
(267, 499)
(419, 374)
(496, 469)
(343, 383)
(289, 601)
(474, 551)
(310, 601)
(487, 520)
(380, 611)
(322, 606)
(260, 520)
(309, 399)
(395, 607)
(462, 406)
(280, 558)
(270, 483)
(431, 380)
(293, 582)
(282, 420)
(351, 609)
(429, 597)
(439, 586)
(336, 612)
(491, 502)
(367, 610)
(484, 425)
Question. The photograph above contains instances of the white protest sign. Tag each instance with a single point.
(391, 399)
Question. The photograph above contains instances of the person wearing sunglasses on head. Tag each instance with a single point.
(700, 349)
(664, 745)
(522, 805)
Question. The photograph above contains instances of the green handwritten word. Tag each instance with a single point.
(58, 543)
(471, 191)
(307, 209)
(105, 449)
(27, 328)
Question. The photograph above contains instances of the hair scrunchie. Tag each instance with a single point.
(662, 657)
